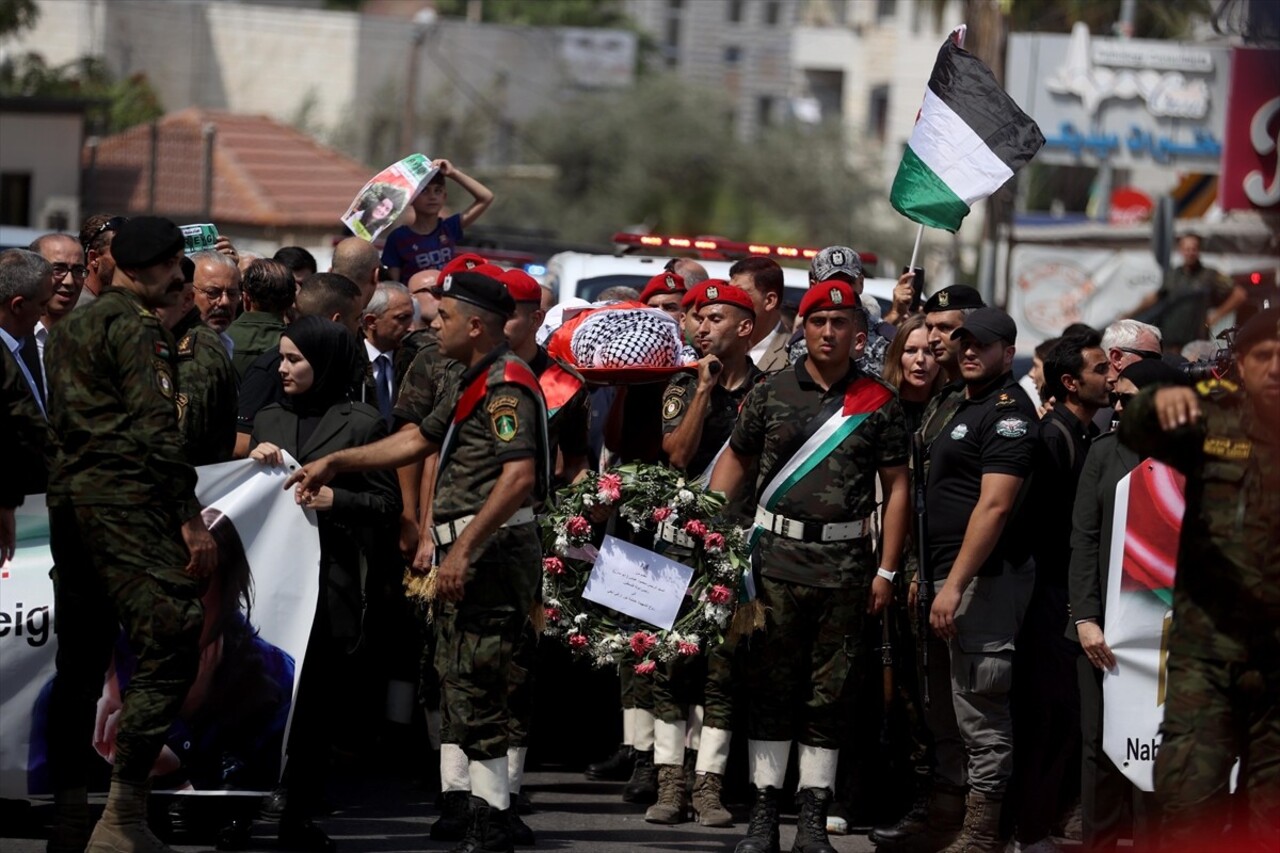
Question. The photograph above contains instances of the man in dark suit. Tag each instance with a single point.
(1104, 790)
(26, 284)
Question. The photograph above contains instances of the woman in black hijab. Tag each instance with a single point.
(319, 363)
(1108, 800)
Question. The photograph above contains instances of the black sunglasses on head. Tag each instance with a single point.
(1143, 354)
(115, 223)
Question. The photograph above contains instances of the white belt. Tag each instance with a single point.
(449, 531)
(812, 531)
(668, 532)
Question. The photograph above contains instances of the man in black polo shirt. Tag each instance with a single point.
(979, 550)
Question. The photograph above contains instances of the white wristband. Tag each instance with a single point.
(886, 574)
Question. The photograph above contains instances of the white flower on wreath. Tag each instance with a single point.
(717, 613)
(580, 619)
(684, 497)
(562, 543)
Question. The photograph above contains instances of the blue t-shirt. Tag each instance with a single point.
(412, 252)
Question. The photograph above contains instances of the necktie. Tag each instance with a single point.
(383, 379)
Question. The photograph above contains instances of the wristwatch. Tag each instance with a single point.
(886, 574)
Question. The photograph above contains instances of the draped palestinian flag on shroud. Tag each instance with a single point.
(969, 139)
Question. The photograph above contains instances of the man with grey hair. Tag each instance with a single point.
(69, 273)
(359, 261)
(385, 322)
(1127, 341)
(26, 285)
(688, 269)
(217, 292)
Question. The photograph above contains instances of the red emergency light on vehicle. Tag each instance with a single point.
(708, 246)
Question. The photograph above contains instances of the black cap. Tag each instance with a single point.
(480, 290)
(957, 297)
(1265, 325)
(146, 240)
(987, 325)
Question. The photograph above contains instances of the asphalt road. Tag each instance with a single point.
(385, 814)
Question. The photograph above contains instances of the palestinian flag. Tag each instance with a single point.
(969, 139)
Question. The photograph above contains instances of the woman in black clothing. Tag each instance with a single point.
(319, 364)
(911, 367)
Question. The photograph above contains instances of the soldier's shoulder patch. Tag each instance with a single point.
(161, 349)
(1224, 447)
(187, 346)
(1011, 427)
(164, 377)
(960, 431)
(504, 418)
(1005, 401)
(182, 401)
(673, 403)
(1216, 387)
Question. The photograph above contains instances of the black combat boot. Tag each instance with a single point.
(521, 832)
(455, 816)
(643, 787)
(762, 832)
(487, 832)
(811, 823)
(940, 824)
(615, 768)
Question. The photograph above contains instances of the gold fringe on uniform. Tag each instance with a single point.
(747, 619)
(538, 617)
(420, 588)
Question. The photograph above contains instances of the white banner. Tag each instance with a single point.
(233, 726)
(1143, 561)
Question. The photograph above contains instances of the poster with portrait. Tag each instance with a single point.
(387, 195)
(1144, 559)
(258, 605)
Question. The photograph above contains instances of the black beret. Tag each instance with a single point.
(478, 289)
(1265, 325)
(957, 297)
(146, 240)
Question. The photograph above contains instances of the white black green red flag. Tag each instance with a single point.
(969, 139)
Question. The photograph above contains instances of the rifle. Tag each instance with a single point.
(924, 578)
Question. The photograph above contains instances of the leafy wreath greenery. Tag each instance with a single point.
(643, 496)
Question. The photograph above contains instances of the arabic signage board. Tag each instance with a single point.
(1129, 102)
(1251, 151)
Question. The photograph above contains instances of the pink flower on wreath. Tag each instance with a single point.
(661, 514)
(694, 527)
(553, 565)
(552, 614)
(719, 594)
(610, 488)
(578, 526)
(578, 641)
(687, 649)
(713, 542)
(645, 667)
(641, 642)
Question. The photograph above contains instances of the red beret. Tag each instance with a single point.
(716, 292)
(492, 270)
(522, 286)
(662, 283)
(828, 296)
(462, 263)
(691, 297)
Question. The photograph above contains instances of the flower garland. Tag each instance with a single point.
(644, 496)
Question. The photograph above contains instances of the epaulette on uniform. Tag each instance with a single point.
(1217, 389)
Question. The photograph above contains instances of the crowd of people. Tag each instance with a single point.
(904, 490)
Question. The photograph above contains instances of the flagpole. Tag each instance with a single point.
(916, 251)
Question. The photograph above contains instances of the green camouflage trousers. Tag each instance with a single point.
(119, 566)
(1215, 711)
(797, 668)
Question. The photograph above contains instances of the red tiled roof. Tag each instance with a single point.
(264, 173)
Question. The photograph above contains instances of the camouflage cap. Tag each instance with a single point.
(834, 260)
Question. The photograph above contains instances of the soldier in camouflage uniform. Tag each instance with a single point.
(936, 816)
(821, 431)
(492, 440)
(269, 291)
(699, 411)
(840, 263)
(1223, 679)
(129, 545)
(206, 380)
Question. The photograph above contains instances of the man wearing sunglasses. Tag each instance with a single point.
(1127, 341)
(95, 239)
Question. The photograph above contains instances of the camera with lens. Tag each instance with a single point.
(1221, 366)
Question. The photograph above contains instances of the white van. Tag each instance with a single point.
(586, 276)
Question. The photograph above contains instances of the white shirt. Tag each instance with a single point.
(757, 352)
(389, 365)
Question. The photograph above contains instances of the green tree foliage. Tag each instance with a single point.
(114, 104)
(665, 155)
(543, 13)
(1155, 19)
(17, 15)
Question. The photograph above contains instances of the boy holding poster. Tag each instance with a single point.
(429, 242)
